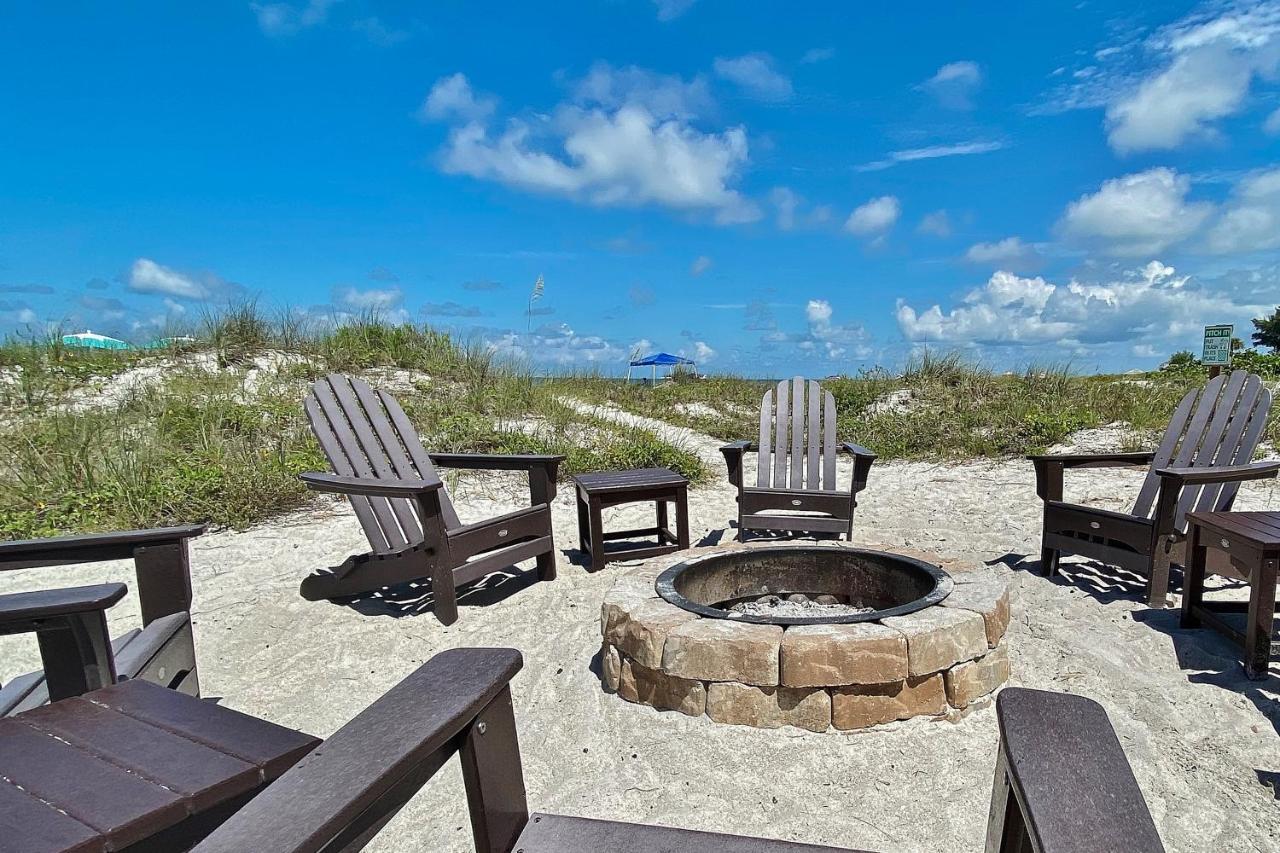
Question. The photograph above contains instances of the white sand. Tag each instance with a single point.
(1196, 732)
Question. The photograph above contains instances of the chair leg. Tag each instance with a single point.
(443, 587)
(546, 563)
(1049, 561)
(1158, 580)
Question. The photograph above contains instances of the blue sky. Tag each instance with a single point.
(789, 190)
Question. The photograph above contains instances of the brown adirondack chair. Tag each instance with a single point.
(404, 508)
(796, 487)
(1205, 454)
(1062, 782)
(70, 624)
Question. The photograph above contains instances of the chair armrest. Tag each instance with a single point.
(1095, 460)
(1220, 474)
(497, 461)
(855, 449)
(862, 459)
(1057, 749)
(20, 610)
(369, 486)
(389, 750)
(92, 547)
(732, 453)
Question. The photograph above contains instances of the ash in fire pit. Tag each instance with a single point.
(795, 605)
(803, 585)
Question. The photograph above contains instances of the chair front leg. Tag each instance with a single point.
(436, 541)
(1048, 488)
(1163, 537)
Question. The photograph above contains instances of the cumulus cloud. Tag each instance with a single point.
(817, 54)
(147, 276)
(875, 217)
(14, 314)
(373, 299)
(452, 98)
(937, 223)
(610, 157)
(1135, 215)
(1148, 305)
(1250, 220)
(1010, 253)
(286, 19)
(700, 351)
(954, 84)
(831, 338)
(556, 343)
(1177, 83)
(700, 265)
(756, 74)
(1271, 126)
(666, 96)
(931, 152)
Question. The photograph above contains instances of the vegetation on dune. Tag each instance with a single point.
(214, 430)
(217, 431)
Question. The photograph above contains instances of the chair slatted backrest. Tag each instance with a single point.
(1217, 425)
(364, 433)
(797, 437)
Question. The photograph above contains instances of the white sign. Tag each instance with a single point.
(1217, 346)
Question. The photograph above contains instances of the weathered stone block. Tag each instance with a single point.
(768, 707)
(628, 592)
(655, 688)
(986, 594)
(641, 630)
(975, 679)
(721, 650)
(940, 637)
(870, 705)
(830, 655)
(610, 668)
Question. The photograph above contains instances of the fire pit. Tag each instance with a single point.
(803, 586)
(810, 636)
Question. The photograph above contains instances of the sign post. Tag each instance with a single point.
(1217, 348)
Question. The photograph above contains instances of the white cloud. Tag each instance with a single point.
(828, 337)
(701, 352)
(285, 19)
(663, 95)
(937, 223)
(1175, 84)
(1134, 215)
(786, 202)
(931, 152)
(954, 84)
(875, 217)
(623, 157)
(452, 97)
(147, 276)
(669, 10)
(374, 299)
(558, 343)
(700, 265)
(755, 73)
(1151, 305)
(1250, 219)
(1271, 126)
(1010, 253)
(817, 54)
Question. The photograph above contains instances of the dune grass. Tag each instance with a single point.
(218, 432)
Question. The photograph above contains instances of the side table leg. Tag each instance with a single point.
(664, 535)
(584, 524)
(682, 518)
(597, 534)
(1262, 611)
(1193, 584)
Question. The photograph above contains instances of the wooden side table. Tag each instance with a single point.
(613, 488)
(1251, 540)
(133, 766)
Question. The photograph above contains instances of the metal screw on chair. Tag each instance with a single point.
(482, 727)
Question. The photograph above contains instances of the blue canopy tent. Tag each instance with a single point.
(661, 359)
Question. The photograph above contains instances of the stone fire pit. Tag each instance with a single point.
(834, 637)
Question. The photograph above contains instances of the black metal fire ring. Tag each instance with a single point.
(943, 585)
